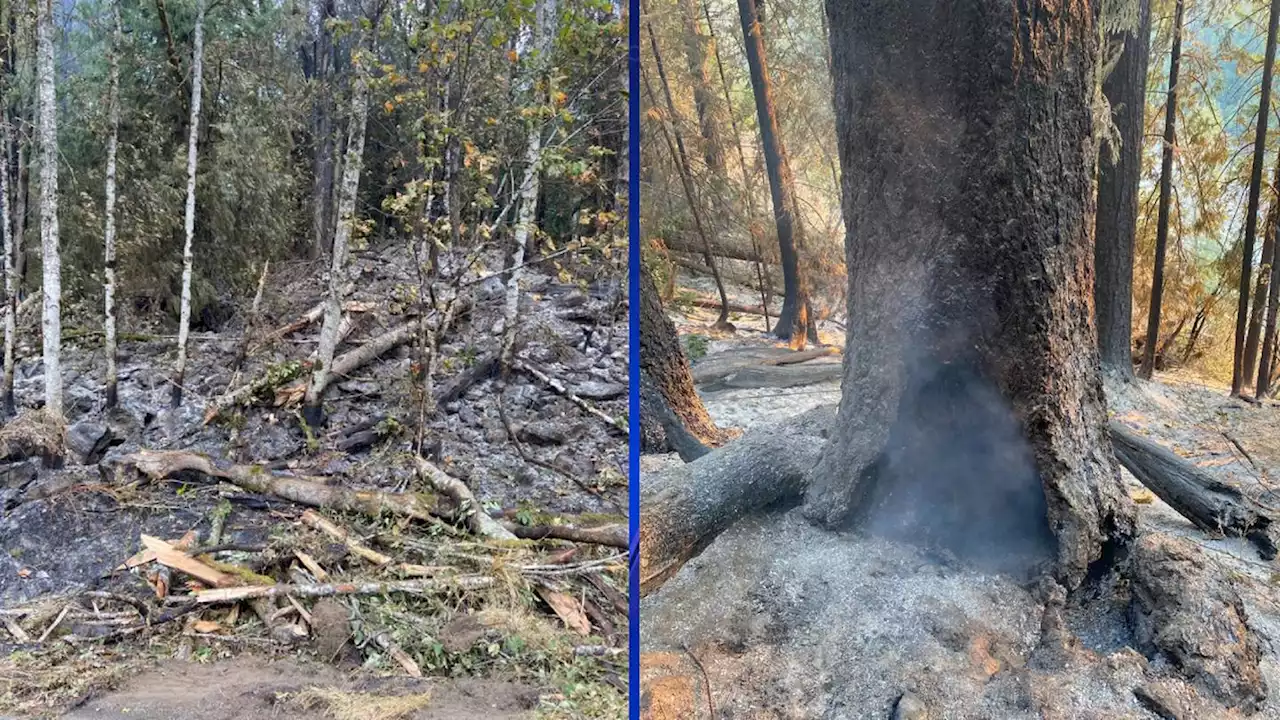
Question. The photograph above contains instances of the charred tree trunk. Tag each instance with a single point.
(1166, 185)
(1258, 308)
(972, 413)
(663, 361)
(1263, 385)
(1119, 172)
(1241, 357)
(747, 177)
(794, 321)
(675, 144)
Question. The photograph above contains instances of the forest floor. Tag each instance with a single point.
(804, 623)
(540, 631)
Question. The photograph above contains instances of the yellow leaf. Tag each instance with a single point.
(512, 56)
(388, 106)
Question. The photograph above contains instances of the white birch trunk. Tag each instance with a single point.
(543, 38)
(109, 240)
(10, 284)
(346, 220)
(184, 315)
(50, 260)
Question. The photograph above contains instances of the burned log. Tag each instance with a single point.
(721, 365)
(1213, 506)
(684, 508)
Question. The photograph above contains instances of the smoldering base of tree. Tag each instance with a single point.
(660, 429)
(1211, 505)
(684, 508)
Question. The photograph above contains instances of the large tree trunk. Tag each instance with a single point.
(972, 413)
(704, 99)
(1166, 187)
(51, 326)
(794, 319)
(109, 239)
(351, 165)
(663, 362)
(1118, 175)
(1241, 356)
(189, 223)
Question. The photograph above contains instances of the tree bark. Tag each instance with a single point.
(1258, 308)
(747, 178)
(1119, 173)
(663, 361)
(312, 410)
(109, 234)
(675, 145)
(51, 325)
(6, 231)
(793, 323)
(704, 100)
(543, 39)
(1263, 386)
(189, 223)
(1240, 357)
(322, 161)
(972, 414)
(1162, 216)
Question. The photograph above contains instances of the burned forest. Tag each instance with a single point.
(958, 400)
(316, 359)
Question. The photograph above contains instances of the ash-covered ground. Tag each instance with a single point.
(779, 619)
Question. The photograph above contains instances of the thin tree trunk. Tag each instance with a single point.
(1258, 308)
(1118, 176)
(189, 225)
(1240, 357)
(7, 226)
(322, 162)
(10, 285)
(1166, 184)
(51, 325)
(695, 48)
(542, 41)
(109, 241)
(20, 210)
(1263, 386)
(747, 177)
(793, 322)
(675, 144)
(312, 410)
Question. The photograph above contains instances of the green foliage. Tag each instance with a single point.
(695, 346)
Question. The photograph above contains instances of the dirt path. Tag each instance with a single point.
(255, 688)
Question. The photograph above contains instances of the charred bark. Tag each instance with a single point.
(793, 322)
(1241, 355)
(971, 369)
(1166, 185)
(1118, 175)
(663, 361)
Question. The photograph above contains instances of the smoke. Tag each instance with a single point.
(958, 474)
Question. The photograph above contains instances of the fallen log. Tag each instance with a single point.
(613, 535)
(733, 307)
(158, 465)
(482, 369)
(359, 587)
(313, 315)
(468, 507)
(778, 376)
(721, 365)
(682, 509)
(1210, 504)
(564, 392)
(353, 360)
(313, 519)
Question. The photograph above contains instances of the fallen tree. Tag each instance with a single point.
(721, 365)
(1211, 505)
